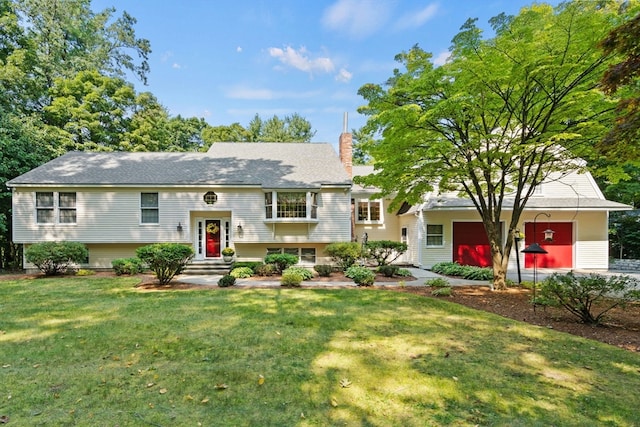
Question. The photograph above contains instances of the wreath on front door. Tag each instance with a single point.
(213, 228)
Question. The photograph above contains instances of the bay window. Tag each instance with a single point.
(283, 205)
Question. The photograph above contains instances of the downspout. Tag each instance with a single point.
(420, 215)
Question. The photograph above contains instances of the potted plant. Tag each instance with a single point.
(227, 254)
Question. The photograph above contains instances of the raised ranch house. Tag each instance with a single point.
(262, 198)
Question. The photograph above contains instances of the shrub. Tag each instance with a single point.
(127, 266)
(404, 272)
(344, 254)
(53, 258)
(444, 291)
(437, 282)
(323, 270)
(251, 264)
(388, 270)
(384, 252)
(281, 261)
(265, 270)
(361, 275)
(304, 272)
(165, 259)
(291, 278)
(241, 272)
(447, 268)
(468, 272)
(226, 281)
(579, 294)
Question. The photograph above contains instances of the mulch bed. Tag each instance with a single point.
(621, 327)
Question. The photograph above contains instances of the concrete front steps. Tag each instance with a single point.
(211, 267)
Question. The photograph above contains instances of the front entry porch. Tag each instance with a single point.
(211, 234)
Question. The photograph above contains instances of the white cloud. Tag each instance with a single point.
(344, 76)
(176, 66)
(441, 58)
(239, 49)
(300, 60)
(415, 19)
(357, 18)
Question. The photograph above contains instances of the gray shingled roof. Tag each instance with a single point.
(450, 203)
(270, 165)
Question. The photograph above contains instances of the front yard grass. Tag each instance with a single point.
(96, 351)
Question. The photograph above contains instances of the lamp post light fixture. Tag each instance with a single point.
(179, 227)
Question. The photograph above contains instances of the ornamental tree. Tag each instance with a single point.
(621, 78)
(498, 118)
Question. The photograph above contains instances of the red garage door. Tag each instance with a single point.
(560, 250)
(470, 244)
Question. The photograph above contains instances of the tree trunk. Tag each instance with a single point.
(499, 256)
(500, 263)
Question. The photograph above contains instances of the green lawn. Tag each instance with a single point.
(96, 351)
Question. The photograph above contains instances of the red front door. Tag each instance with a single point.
(212, 240)
(470, 244)
(559, 251)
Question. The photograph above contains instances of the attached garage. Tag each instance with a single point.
(560, 249)
(470, 244)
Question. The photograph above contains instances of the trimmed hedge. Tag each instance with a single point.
(344, 254)
(165, 259)
(54, 258)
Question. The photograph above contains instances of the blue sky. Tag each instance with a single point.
(225, 61)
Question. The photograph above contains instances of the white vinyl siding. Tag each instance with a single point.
(114, 216)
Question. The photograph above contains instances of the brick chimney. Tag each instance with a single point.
(346, 148)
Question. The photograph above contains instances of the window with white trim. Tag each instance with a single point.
(291, 205)
(305, 255)
(67, 208)
(369, 210)
(435, 235)
(45, 211)
(52, 206)
(149, 210)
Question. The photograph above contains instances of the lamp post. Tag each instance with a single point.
(535, 249)
(516, 238)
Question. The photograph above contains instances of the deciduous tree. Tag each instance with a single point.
(622, 78)
(294, 128)
(499, 117)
